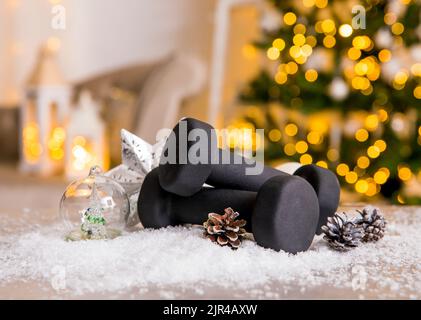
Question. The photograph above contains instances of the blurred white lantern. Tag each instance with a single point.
(44, 110)
(85, 145)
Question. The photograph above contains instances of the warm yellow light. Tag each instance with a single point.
(301, 59)
(300, 28)
(314, 137)
(400, 199)
(275, 135)
(361, 135)
(301, 147)
(278, 44)
(383, 115)
(322, 164)
(291, 129)
(311, 75)
(371, 122)
(397, 28)
(354, 53)
(385, 55)
(342, 169)
(404, 173)
(417, 92)
(295, 52)
(306, 50)
(289, 149)
(291, 67)
(380, 177)
(311, 40)
(306, 159)
(299, 39)
(361, 42)
(416, 69)
(308, 3)
(401, 77)
(361, 186)
(372, 188)
(345, 30)
(332, 154)
(281, 77)
(290, 18)
(373, 152)
(329, 41)
(390, 18)
(361, 68)
(381, 144)
(321, 3)
(273, 53)
(351, 177)
(328, 26)
(363, 162)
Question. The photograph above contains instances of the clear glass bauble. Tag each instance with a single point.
(94, 208)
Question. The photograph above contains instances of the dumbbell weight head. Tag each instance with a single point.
(283, 215)
(326, 186)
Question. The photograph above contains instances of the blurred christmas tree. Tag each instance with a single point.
(342, 89)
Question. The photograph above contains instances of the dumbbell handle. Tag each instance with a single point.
(233, 175)
(158, 208)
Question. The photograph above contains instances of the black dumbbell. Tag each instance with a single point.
(185, 179)
(283, 215)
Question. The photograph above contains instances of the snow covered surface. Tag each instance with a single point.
(35, 262)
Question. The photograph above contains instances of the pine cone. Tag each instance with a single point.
(341, 233)
(224, 229)
(373, 224)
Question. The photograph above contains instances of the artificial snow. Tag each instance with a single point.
(179, 257)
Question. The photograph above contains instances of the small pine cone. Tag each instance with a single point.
(224, 229)
(373, 224)
(341, 233)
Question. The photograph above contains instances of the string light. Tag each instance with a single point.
(385, 55)
(314, 137)
(275, 135)
(397, 28)
(311, 75)
(361, 186)
(306, 159)
(363, 162)
(404, 173)
(301, 146)
(273, 53)
(289, 149)
(373, 152)
(322, 164)
(332, 154)
(291, 129)
(279, 44)
(345, 30)
(417, 92)
(351, 177)
(361, 135)
(290, 18)
(342, 169)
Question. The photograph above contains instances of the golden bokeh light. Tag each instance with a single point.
(291, 129)
(301, 147)
(290, 18)
(361, 135)
(342, 169)
(345, 30)
(306, 159)
(311, 75)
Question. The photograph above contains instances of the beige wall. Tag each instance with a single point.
(101, 36)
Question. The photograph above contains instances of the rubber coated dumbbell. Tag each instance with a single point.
(185, 179)
(283, 215)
